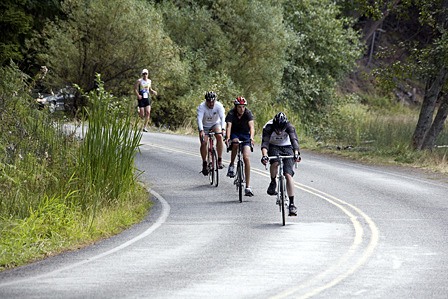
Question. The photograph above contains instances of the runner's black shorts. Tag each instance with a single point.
(144, 102)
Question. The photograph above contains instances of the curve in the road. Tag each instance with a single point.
(358, 253)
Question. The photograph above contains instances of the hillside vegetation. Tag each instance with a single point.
(364, 80)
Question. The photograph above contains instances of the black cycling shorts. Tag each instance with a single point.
(288, 164)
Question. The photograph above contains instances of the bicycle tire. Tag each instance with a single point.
(240, 174)
(282, 198)
(215, 168)
(211, 173)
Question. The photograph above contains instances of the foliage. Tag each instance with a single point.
(18, 20)
(53, 188)
(258, 41)
(36, 158)
(114, 38)
(323, 49)
(241, 41)
(106, 156)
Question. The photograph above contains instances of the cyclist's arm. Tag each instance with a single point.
(293, 138)
(264, 151)
(222, 117)
(252, 131)
(229, 130)
(200, 116)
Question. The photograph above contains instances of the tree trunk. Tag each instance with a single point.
(433, 87)
(437, 125)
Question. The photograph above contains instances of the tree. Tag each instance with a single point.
(114, 38)
(428, 59)
(15, 24)
(18, 20)
(258, 40)
(323, 49)
(434, 61)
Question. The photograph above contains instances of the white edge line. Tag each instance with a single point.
(160, 220)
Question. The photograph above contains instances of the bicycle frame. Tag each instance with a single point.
(282, 197)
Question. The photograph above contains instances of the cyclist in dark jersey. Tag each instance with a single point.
(280, 138)
(240, 127)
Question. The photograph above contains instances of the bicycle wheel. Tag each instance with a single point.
(211, 174)
(215, 167)
(282, 193)
(240, 173)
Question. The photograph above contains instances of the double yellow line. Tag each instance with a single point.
(353, 213)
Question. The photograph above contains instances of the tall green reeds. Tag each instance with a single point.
(106, 156)
(58, 191)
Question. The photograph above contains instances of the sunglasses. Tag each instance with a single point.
(144, 73)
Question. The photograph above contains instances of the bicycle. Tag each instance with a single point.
(212, 159)
(239, 177)
(282, 197)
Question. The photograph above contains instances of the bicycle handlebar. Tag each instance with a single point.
(211, 133)
(281, 157)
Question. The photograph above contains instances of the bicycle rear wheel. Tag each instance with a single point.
(240, 173)
(282, 193)
(215, 168)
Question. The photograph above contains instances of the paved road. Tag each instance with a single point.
(362, 231)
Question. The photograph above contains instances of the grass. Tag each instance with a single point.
(60, 193)
(381, 137)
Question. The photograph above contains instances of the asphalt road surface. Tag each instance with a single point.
(361, 232)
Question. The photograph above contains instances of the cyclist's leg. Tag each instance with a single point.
(290, 186)
(203, 146)
(234, 145)
(246, 159)
(273, 151)
(288, 171)
(219, 143)
(204, 150)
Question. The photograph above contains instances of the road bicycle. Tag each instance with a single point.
(240, 179)
(282, 197)
(212, 159)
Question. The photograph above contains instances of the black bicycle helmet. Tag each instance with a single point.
(210, 96)
(280, 121)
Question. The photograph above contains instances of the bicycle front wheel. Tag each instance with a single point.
(215, 168)
(282, 193)
(211, 173)
(240, 174)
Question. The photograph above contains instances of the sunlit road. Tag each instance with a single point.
(362, 231)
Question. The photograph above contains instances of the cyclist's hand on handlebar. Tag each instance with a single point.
(264, 160)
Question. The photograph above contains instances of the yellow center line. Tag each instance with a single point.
(357, 240)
